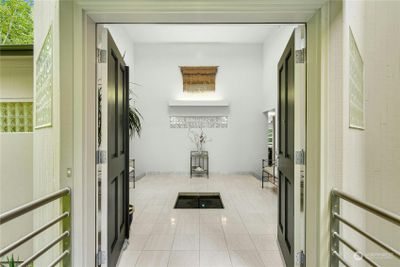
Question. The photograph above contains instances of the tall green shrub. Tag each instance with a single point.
(16, 22)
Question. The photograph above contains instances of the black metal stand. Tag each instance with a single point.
(199, 163)
(268, 172)
(132, 175)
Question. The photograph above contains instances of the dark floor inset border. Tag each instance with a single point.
(199, 200)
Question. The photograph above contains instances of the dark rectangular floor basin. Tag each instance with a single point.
(199, 201)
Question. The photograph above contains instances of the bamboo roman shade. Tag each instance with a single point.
(199, 79)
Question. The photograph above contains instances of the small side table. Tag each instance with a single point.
(199, 163)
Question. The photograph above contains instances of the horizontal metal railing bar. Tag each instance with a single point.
(389, 216)
(368, 236)
(354, 249)
(29, 236)
(59, 258)
(14, 213)
(336, 254)
(43, 250)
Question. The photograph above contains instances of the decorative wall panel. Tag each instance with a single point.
(198, 79)
(44, 83)
(198, 121)
(16, 117)
(356, 85)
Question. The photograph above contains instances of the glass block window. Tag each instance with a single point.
(270, 136)
(16, 116)
(198, 121)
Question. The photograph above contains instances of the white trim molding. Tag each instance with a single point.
(77, 34)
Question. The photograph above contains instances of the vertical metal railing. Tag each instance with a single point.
(337, 220)
(63, 194)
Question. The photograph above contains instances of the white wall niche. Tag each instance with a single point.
(198, 103)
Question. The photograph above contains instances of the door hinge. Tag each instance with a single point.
(101, 257)
(101, 56)
(300, 55)
(300, 258)
(101, 156)
(300, 157)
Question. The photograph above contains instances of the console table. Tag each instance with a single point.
(199, 163)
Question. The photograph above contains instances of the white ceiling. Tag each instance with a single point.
(199, 33)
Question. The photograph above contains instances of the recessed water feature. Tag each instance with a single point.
(198, 200)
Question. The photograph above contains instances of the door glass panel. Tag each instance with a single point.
(112, 106)
(286, 123)
(290, 106)
(120, 200)
(112, 214)
(121, 101)
(281, 112)
(288, 209)
(281, 201)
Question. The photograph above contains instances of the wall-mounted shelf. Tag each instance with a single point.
(198, 103)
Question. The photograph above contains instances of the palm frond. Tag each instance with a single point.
(135, 124)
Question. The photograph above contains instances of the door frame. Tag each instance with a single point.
(85, 16)
(299, 143)
(300, 130)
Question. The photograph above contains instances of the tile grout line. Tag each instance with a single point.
(227, 245)
(221, 186)
(199, 240)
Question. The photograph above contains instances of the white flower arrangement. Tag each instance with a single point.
(199, 139)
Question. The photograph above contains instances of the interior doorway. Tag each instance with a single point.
(180, 107)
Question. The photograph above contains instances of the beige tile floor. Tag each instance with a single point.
(242, 234)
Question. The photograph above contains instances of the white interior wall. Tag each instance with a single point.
(16, 84)
(156, 111)
(361, 162)
(47, 141)
(273, 48)
(238, 148)
(354, 145)
(370, 156)
(381, 39)
(342, 148)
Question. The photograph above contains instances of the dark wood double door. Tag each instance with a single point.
(118, 152)
(286, 153)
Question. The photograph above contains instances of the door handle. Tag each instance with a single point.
(302, 190)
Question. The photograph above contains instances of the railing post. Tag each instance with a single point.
(334, 227)
(66, 226)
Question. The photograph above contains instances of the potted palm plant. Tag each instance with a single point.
(135, 124)
(134, 117)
